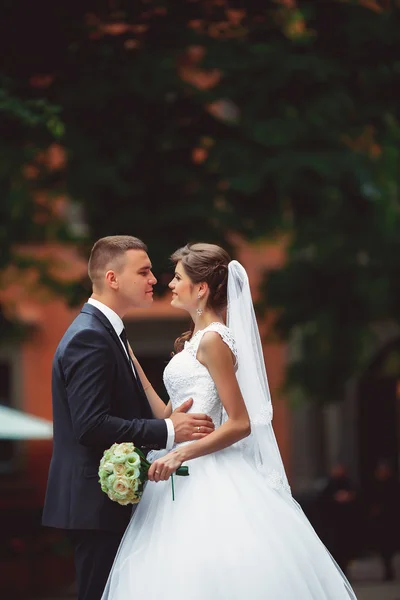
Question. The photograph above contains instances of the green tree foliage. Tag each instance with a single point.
(192, 119)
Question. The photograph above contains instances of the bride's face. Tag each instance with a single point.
(184, 292)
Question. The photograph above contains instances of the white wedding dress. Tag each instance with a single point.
(230, 534)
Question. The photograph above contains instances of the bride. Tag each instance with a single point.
(233, 531)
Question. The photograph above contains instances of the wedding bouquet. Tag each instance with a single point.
(123, 472)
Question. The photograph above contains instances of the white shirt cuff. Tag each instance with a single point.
(170, 434)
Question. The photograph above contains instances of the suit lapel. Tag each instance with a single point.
(93, 310)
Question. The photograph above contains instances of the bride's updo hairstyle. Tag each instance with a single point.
(208, 263)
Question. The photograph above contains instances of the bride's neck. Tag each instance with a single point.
(204, 320)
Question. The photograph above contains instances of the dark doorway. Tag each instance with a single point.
(152, 341)
(377, 425)
(378, 413)
(154, 367)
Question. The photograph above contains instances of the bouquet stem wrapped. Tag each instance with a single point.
(123, 472)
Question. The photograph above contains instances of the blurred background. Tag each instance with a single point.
(270, 127)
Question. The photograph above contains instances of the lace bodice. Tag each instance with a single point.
(185, 377)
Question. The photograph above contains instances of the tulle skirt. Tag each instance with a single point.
(227, 536)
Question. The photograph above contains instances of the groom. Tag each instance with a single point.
(98, 399)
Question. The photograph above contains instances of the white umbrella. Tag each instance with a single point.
(17, 425)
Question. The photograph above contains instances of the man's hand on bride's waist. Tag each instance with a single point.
(191, 426)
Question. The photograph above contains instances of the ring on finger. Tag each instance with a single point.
(199, 428)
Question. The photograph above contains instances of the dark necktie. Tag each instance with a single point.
(124, 339)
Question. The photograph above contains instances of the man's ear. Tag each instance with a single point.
(111, 279)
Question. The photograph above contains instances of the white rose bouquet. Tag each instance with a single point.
(123, 473)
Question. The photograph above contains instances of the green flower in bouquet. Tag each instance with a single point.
(123, 472)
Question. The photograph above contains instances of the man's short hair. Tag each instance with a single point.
(106, 250)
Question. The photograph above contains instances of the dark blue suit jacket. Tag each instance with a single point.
(97, 401)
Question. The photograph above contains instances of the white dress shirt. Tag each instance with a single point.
(118, 327)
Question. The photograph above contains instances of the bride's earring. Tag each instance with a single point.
(199, 310)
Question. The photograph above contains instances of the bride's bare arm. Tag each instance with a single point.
(159, 410)
(217, 357)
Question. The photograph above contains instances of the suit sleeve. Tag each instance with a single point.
(89, 387)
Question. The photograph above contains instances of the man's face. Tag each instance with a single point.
(135, 279)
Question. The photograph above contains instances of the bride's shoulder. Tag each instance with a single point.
(215, 333)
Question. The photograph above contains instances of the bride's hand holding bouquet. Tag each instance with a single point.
(162, 468)
(124, 470)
